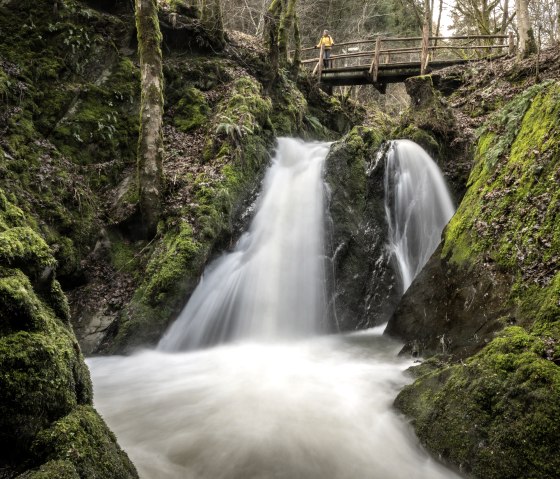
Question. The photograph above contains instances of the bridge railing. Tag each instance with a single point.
(408, 52)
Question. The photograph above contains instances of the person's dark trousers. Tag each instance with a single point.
(326, 58)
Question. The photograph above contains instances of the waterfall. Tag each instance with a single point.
(272, 285)
(417, 205)
(319, 408)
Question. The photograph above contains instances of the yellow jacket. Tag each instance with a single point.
(326, 41)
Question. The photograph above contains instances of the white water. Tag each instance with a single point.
(315, 408)
(273, 284)
(417, 204)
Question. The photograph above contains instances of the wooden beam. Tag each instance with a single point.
(424, 56)
(511, 44)
(320, 64)
(374, 68)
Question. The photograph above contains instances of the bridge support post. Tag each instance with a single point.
(374, 68)
(511, 43)
(424, 56)
(320, 64)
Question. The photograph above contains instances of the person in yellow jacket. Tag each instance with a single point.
(327, 42)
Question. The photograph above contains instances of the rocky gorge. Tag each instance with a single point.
(77, 277)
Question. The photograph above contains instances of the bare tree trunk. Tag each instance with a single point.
(286, 22)
(150, 142)
(213, 20)
(297, 49)
(428, 14)
(438, 27)
(505, 17)
(527, 43)
(271, 33)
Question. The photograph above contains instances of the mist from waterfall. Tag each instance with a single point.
(417, 204)
(272, 286)
(265, 406)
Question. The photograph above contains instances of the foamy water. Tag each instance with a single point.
(315, 409)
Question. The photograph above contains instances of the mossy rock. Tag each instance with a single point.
(497, 414)
(83, 438)
(191, 111)
(53, 469)
(22, 247)
(289, 108)
(43, 377)
(365, 290)
(425, 139)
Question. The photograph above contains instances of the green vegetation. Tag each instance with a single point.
(69, 119)
(83, 439)
(192, 110)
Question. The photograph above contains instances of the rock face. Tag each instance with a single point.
(496, 413)
(366, 287)
(447, 310)
(48, 427)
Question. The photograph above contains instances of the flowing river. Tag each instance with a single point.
(272, 399)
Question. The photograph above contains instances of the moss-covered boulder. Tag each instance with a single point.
(497, 267)
(43, 378)
(498, 413)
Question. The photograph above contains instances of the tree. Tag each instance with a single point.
(150, 142)
(212, 19)
(280, 22)
(545, 16)
(482, 17)
(527, 43)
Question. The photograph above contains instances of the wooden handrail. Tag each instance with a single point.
(404, 39)
(408, 50)
(425, 50)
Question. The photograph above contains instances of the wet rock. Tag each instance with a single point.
(365, 285)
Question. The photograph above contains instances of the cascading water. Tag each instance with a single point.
(313, 409)
(417, 205)
(272, 285)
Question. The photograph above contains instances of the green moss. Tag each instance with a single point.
(191, 111)
(22, 310)
(107, 115)
(41, 381)
(422, 137)
(83, 439)
(289, 108)
(22, 247)
(10, 215)
(503, 126)
(43, 376)
(124, 256)
(510, 211)
(496, 415)
(244, 111)
(53, 469)
(171, 262)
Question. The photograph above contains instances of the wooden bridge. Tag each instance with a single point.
(386, 60)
